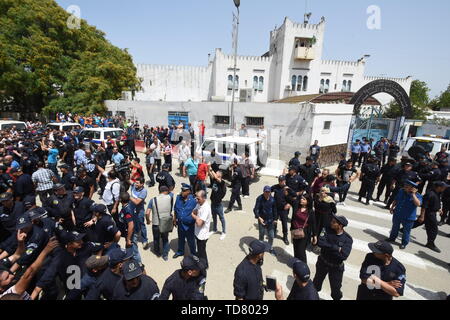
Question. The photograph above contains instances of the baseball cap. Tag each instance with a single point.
(73, 236)
(29, 201)
(411, 183)
(382, 247)
(97, 262)
(297, 153)
(119, 255)
(6, 196)
(440, 184)
(302, 271)
(341, 219)
(267, 189)
(165, 166)
(16, 169)
(257, 247)
(131, 269)
(292, 168)
(282, 178)
(185, 187)
(64, 166)
(100, 208)
(23, 222)
(192, 262)
(58, 186)
(37, 213)
(78, 189)
(408, 163)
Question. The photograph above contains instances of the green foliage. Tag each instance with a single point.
(44, 65)
(419, 101)
(441, 102)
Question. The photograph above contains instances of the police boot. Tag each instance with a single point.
(360, 199)
(432, 246)
(285, 239)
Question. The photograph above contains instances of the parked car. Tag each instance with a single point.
(8, 124)
(417, 146)
(64, 126)
(99, 135)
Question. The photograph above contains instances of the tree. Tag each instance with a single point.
(441, 102)
(45, 65)
(419, 102)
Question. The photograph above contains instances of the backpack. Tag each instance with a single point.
(122, 189)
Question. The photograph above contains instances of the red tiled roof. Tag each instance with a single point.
(331, 97)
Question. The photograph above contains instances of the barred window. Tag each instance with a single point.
(221, 119)
(254, 121)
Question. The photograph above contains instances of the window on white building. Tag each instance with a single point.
(230, 82)
(236, 83)
(305, 83)
(255, 83)
(349, 85)
(254, 121)
(261, 83)
(326, 125)
(322, 86)
(221, 119)
(294, 83)
(344, 86)
(299, 83)
(327, 86)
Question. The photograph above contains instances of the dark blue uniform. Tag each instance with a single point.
(165, 179)
(248, 281)
(147, 290)
(236, 185)
(104, 286)
(394, 271)
(82, 212)
(8, 219)
(335, 249)
(371, 173)
(400, 179)
(182, 289)
(308, 292)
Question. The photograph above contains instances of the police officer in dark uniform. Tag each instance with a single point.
(135, 285)
(59, 206)
(39, 218)
(431, 206)
(248, 279)
(400, 178)
(432, 176)
(387, 172)
(309, 170)
(10, 211)
(67, 179)
(423, 168)
(82, 211)
(188, 283)
(382, 276)
(105, 284)
(335, 245)
(302, 288)
(370, 172)
(297, 184)
(236, 178)
(283, 206)
(106, 232)
(164, 178)
(295, 162)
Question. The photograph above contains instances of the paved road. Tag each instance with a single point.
(428, 275)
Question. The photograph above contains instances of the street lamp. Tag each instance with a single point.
(237, 3)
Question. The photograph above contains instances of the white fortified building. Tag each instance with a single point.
(293, 66)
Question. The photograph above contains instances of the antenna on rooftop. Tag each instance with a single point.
(307, 14)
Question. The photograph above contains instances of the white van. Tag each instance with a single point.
(99, 135)
(419, 145)
(64, 126)
(229, 147)
(8, 124)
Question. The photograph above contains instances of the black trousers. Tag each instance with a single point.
(362, 158)
(446, 211)
(158, 165)
(43, 195)
(393, 195)
(384, 183)
(355, 157)
(168, 160)
(283, 215)
(235, 196)
(201, 250)
(300, 248)
(335, 275)
(367, 188)
(431, 226)
(322, 220)
(151, 176)
(344, 187)
(245, 186)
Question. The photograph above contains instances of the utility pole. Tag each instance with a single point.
(237, 3)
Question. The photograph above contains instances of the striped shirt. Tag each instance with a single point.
(43, 178)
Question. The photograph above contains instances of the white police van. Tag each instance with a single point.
(8, 124)
(417, 146)
(64, 126)
(100, 135)
(229, 147)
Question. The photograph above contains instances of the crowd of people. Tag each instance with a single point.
(57, 242)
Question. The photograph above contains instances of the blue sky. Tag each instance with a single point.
(413, 40)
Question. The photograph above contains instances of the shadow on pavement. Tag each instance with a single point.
(436, 261)
(427, 294)
(244, 243)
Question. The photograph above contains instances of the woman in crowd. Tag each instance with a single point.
(303, 227)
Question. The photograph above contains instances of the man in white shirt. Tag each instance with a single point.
(184, 153)
(111, 195)
(156, 146)
(202, 216)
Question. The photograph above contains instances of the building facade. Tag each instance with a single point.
(293, 66)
